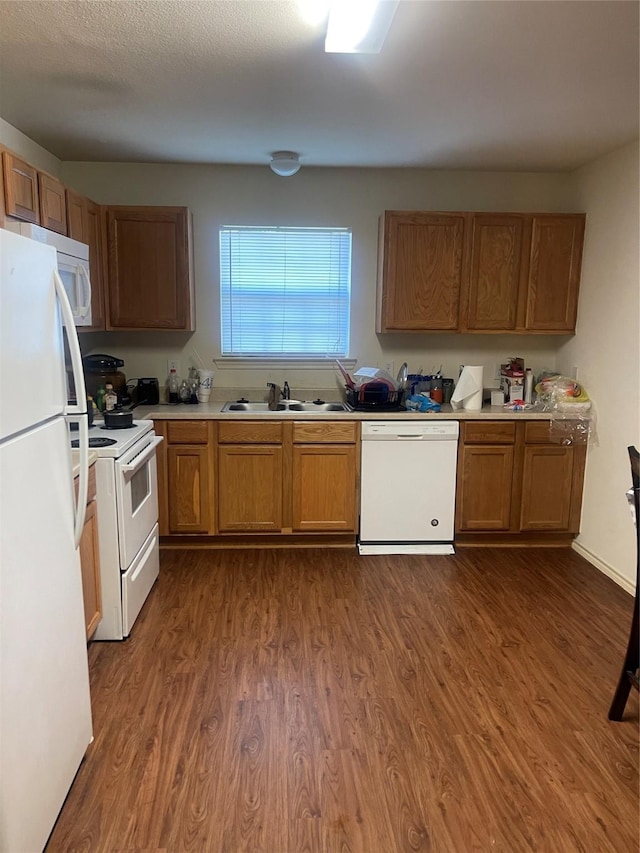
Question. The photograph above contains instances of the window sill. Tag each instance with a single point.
(232, 362)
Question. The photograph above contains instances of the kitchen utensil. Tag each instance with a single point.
(119, 418)
(348, 381)
(402, 377)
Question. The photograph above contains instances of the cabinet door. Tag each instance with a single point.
(188, 487)
(85, 223)
(249, 487)
(554, 273)
(90, 568)
(20, 188)
(485, 476)
(324, 487)
(53, 204)
(547, 483)
(75, 216)
(94, 236)
(496, 272)
(421, 271)
(149, 278)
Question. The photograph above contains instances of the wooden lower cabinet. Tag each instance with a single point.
(274, 477)
(512, 479)
(324, 487)
(250, 488)
(186, 493)
(188, 481)
(485, 475)
(90, 561)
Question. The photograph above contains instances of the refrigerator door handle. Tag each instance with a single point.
(78, 409)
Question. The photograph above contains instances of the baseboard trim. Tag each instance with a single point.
(606, 569)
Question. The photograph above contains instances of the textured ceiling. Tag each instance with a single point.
(473, 84)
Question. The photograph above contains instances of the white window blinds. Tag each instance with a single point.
(285, 291)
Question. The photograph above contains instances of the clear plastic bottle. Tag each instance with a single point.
(184, 392)
(193, 382)
(110, 398)
(173, 387)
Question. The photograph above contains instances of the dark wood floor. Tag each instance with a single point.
(320, 701)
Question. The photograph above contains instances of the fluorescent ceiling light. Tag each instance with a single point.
(359, 26)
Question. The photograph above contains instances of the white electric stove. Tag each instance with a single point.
(112, 443)
(127, 502)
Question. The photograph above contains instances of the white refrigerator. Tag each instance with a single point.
(45, 711)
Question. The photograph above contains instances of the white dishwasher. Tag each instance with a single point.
(408, 487)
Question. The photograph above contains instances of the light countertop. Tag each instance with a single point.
(212, 411)
(75, 459)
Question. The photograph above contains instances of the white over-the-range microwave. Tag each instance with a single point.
(73, 266)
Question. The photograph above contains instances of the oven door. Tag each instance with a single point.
(137, 496)
(75, 278)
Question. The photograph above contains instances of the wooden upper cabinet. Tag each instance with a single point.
(479, 272)
(86, 224)
(75, 216)
(554, 275)
(20, 188)
(497, 271)
(149, 279)
(53, 204)
(421, 271)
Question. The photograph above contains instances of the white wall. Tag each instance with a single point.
(33, 153)
(606, 350)
(220, 195)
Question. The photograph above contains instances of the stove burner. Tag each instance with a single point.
(96, 442)
(112, 429)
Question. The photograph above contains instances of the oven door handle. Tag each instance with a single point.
(140, 460)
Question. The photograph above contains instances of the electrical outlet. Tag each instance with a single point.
(388, 366)
(173, 364)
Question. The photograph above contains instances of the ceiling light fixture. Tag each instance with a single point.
(284, 163)
(359, 26)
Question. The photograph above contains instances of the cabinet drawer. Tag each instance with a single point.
(256, 432)
(187, 432)
(321, 432)
(489, 432)
(537, 432)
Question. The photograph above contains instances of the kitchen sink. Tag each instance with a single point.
(284, 406)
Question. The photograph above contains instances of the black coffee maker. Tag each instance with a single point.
(145, 391)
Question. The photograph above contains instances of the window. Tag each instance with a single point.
(285, 291)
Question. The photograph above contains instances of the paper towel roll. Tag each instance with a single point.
(468, 391)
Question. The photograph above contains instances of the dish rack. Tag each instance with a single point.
(375, 396)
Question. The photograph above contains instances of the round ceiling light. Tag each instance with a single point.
(284, 163)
